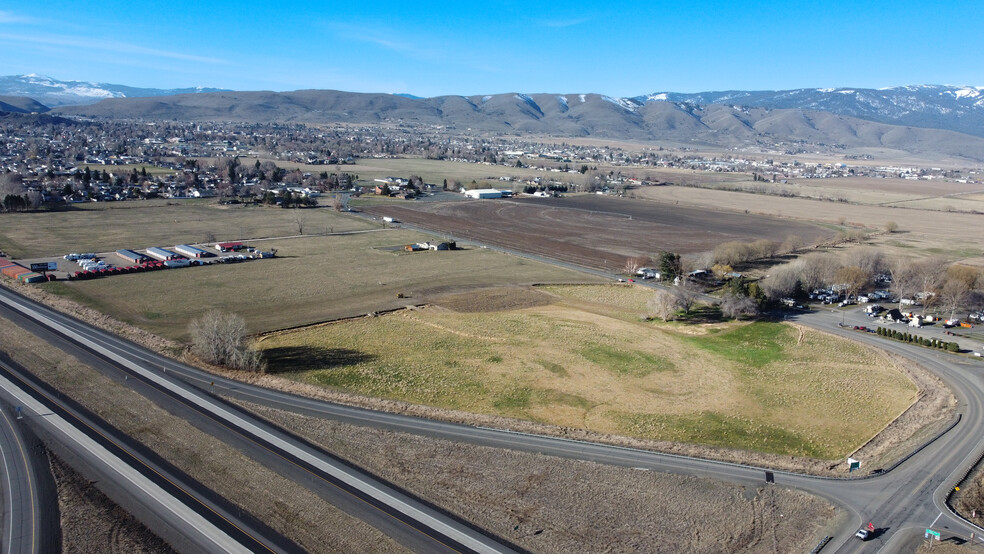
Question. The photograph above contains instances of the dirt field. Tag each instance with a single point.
(921, 232)
(548, 504)
(592, 230)
(583, 359)
(91, 522)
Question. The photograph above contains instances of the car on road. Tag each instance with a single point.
(862, 534)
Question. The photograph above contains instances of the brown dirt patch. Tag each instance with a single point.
(493, 300)
(592, 230)
(548, 504)
(91, 522)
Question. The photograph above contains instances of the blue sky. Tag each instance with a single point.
(436, 48)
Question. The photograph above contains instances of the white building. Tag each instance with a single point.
(483, 193)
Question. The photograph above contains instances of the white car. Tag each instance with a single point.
(862, 534)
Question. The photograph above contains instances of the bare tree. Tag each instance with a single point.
(904, 279)
(736, 305)
(663, 305)
(298, 221)
(791, 244)
(817, 270)
(959, 283)
(853, 277)
(220, 338)
(953, 295)
(781, 281)
(633, 264)
(866, 258)
(686, 294)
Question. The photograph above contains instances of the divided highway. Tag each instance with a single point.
(902, 502)
(408, 520)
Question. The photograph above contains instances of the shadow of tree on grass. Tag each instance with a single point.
(303, 358)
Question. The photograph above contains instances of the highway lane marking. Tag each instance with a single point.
(30, 487)
(135, 458)
(150, 488)
(341, 473)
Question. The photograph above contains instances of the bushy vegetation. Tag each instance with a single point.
(904, 336)
(220, 338)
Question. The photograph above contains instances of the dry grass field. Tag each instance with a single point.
(546, 504)
(287, 507)
(101, 227)
(954, 235)
(585, 360)
(312, 279)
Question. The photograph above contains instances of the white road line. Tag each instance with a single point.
(471, 540)
(154, 494)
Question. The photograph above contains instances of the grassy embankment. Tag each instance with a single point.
(587, 361)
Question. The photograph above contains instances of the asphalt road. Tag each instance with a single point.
(414, 523)
(30, 501)
(153, 493)
(902, 502)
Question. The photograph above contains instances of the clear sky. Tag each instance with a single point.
(494, 46)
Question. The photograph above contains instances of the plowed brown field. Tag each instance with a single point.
(593, 230)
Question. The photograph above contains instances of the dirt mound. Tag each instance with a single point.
(493, 300)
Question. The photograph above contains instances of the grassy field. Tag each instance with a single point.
(100, 227)
(312, 279)
(591, 363)
(288, 507)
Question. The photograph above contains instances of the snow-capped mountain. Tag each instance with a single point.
(954, 108)
(52, 92)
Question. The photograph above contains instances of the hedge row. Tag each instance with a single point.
(914, 339)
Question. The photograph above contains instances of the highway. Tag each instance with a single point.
(902, 502)
(30, 501)
(412, 522)
(153, 492)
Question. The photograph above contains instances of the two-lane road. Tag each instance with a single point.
(904, 499)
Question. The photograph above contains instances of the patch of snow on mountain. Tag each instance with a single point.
(967, 92)
(661, 97)
(826, 90)
(486, 98)
(624, 103)
(848, 91)
(581, 96)
(563, 101)
(529, 101)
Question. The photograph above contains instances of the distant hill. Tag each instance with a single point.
(52, 92)
(953, 108)
(572, 115)
(20, 104)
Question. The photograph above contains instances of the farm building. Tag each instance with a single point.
(229, 246)
(161, 254)
(483, 193)
(191, 251)
(131, 256)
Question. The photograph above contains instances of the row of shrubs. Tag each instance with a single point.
(922, 341)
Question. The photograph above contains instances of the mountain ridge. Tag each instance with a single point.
(573, 115)
(933, 119)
